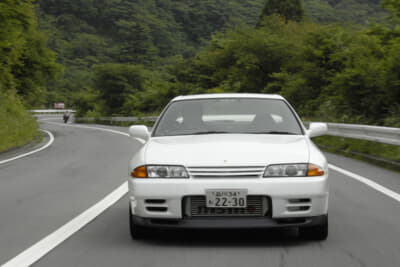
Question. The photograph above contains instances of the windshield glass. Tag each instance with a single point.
(228, 115)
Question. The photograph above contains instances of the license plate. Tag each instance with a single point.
(226, 198)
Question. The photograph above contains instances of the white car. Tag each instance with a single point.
(228, 161)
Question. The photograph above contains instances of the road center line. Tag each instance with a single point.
(370, 183)
(33, 151)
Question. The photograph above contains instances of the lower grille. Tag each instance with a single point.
(195, 206)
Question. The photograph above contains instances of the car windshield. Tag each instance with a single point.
(228, 115)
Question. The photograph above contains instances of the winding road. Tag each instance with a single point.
(41, 193)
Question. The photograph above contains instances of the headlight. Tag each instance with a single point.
(293, 170)
(159, 171)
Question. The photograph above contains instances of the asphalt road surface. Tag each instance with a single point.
(42, 192)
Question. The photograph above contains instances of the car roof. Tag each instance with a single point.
(227, 95)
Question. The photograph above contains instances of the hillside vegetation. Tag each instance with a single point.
(357, 12)
(18, 127)
(25, 66)
(152, 34)
(85, 33)
(329, 72)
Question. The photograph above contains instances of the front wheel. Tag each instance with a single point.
(137, 231)
(317, 232)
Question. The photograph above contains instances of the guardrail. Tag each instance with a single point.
(119, 119)
(386, 135)
(50, 111)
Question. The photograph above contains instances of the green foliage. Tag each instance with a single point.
(358, 12)
(320, 11)
(26, 64)
(329, 73)
(15, 20)
(18, 127)
(117, 84)
(393, 6)
(87, 103)
(85, 33)
(243, 59)
(289, 9)
(341, 68)
(129, 57)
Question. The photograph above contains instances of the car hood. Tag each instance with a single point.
(227, 150)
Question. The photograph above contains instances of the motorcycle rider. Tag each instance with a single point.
(66, 116)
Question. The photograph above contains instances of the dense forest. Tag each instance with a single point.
(129, 57)
(85, 33)
(151, 34)
(356, 12)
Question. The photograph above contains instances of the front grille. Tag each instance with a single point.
(226, 172)
(195, 206)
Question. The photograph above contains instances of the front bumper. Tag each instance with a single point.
(283, 193)
(229, 223)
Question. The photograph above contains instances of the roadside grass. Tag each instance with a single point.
(384, 155)
(17, 126)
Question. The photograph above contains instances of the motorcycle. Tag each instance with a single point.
(66, 117)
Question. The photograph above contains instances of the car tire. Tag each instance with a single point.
(137, 231)
(317, 232)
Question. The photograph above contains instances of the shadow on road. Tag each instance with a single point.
(224, 238)
(112, 230)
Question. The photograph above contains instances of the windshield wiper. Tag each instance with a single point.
(276, 132)
(209, 132)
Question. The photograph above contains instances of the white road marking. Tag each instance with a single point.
(46, 119)
(97, 128)
(370, 183)
(88, 127)
(33, 151)
(44, 246)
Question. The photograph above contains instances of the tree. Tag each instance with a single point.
(289, 9)
(26, 64)
(393, 6)
(116, 83)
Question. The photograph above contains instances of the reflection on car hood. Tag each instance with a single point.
(227, 150)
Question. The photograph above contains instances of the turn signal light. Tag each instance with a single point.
(314, 170)
(139, 172)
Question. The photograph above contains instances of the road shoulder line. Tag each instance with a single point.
(33, 151)
(370, 183)
(44, 246)
(87, 127)
(48, 243)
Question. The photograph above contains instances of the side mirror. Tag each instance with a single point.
(140, 132)
(317, 129)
